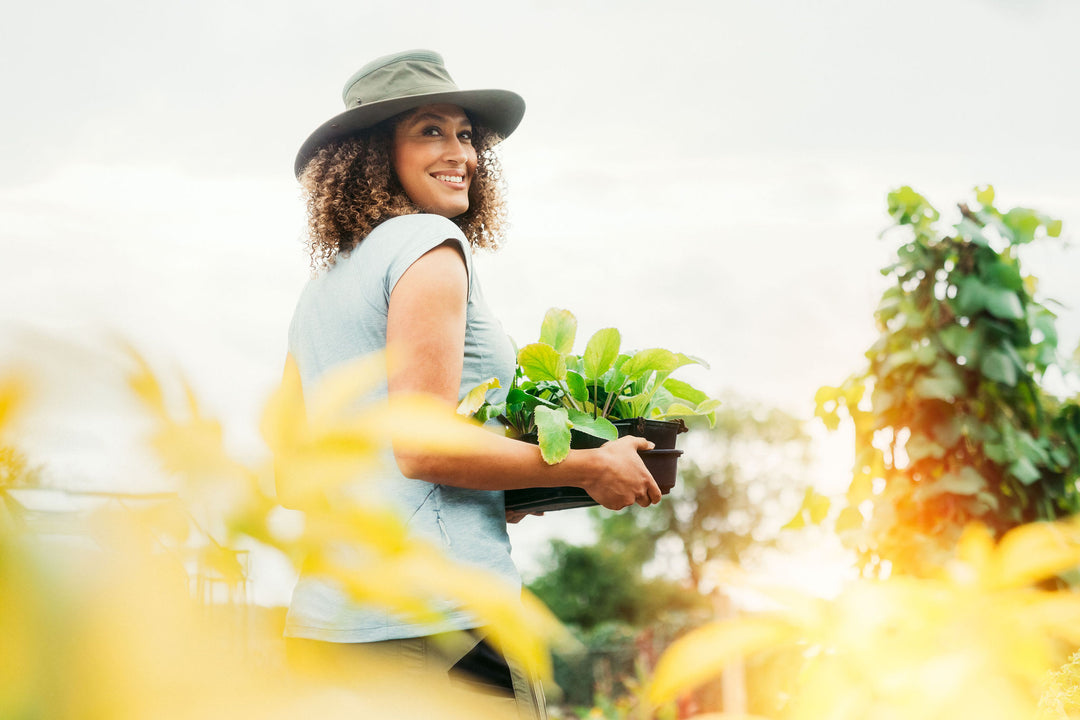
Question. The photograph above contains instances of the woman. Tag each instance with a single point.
(400, 188)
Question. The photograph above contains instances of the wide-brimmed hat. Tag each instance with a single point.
(395, 83)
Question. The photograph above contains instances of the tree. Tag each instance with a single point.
(952, 423)
(15, 469)
(745, 472)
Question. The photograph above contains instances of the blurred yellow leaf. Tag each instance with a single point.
(476, 397)
(704, 652)
(415, 422)
(195, 448)
(975, 551)
(342, 390)
(284, 419)
(849, 519)
(1036, 551)
(145, 385)
(14, 390)
(853, 394)
(797, 522)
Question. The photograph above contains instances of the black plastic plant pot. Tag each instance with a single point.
(662, 463)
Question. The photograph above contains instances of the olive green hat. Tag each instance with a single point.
(395, 83)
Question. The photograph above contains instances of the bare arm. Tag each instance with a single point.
(426, 329)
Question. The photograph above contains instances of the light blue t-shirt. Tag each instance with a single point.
(340, 316)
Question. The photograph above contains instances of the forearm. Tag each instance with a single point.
(612, 474)
(494, 462)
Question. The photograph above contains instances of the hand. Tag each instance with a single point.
(622, 479)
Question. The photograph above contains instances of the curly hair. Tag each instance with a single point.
(351, 187)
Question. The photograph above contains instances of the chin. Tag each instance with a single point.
(452, 213)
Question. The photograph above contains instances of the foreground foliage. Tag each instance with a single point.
(99, 622)
(976, 640)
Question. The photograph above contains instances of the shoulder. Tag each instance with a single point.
(396, 244)
(404, 239)
(421, 225)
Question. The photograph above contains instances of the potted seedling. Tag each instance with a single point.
(560, 401)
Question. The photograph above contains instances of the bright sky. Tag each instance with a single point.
(706, 176)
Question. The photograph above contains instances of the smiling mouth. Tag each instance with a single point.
(453, 179)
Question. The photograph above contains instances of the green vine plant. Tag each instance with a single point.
(953, 424)
(555, 391)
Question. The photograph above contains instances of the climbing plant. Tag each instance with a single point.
(953, 423)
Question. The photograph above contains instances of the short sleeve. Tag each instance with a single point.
(405, 239)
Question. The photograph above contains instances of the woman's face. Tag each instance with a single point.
(434, 158)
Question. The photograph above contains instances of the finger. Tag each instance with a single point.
(655, 494)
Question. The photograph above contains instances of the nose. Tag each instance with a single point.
(457, 151)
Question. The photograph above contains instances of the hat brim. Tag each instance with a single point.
(497, 110)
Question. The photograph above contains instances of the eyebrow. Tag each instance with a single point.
(429, 116)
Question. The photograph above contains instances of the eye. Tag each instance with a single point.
(432, 131)
(466, 136)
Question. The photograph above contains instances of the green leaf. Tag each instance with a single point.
(707, 406)
(919, 447)
(541, 361)
(601, 352)
(998, 367)
(678, 409)
(1024, 471)
(598, 427)
(926, 355)
(908, 207)
(889, 305)
(966, 482)
(487, 412)
(553, 433)
(970, 296)
(615, 379)
(942, 383)
(684, 359)
(1004, 274)
(996, 452)
(1032, 448)
(685, 391)
(635, 405)
(1041, 319)
(948, 432)
(576, 385)
(961, 341)
(1053, 227)
(516, 396)
(1023, 222)
(984, 194)
(559, 329)
(650, 360)
(1003, 303)
(895, 360)
(968, 229)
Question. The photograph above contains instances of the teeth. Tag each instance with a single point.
(450, 178)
